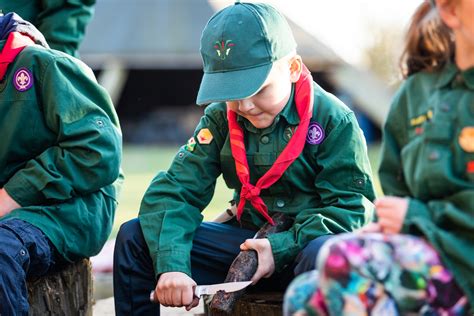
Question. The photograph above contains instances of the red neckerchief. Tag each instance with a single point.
(304, 107)
(14, 45)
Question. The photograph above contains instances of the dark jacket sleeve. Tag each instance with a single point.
(63, 23)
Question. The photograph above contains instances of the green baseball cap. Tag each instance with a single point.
(238, 47)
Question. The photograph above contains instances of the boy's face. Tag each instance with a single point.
(262, 108)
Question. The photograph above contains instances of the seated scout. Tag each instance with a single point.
(279, 140)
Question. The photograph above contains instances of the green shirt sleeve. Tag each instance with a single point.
(88, 147)
(394, 136)
(63, 23)
(448, 224)
(345, 190)
(170, 211)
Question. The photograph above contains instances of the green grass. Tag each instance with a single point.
(142, 163)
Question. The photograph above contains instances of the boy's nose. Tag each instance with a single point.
(245, 105)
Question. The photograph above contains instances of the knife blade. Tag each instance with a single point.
(211, 289)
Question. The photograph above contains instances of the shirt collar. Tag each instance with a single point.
(289, 113)
(452, 75)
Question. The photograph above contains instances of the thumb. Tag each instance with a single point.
(249, 244)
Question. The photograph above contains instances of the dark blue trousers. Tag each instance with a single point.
(134, 276)
(24, 252)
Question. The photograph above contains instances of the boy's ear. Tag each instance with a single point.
(448, 13)
(296, 66)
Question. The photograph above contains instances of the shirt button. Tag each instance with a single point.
(265, 139)
(22, 252)
(434, 155)
(280, 203)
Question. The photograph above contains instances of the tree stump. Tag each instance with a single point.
(66, 292)
(255, 304)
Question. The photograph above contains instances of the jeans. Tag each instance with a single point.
(24, 252)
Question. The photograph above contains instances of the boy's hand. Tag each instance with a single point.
(176, 289)
(266, 264)
(7, 204)
(391, 212)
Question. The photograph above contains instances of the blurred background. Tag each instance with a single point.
(146, 54)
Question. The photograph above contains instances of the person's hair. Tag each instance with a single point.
(429, 43)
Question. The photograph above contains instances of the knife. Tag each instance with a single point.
(211, 289)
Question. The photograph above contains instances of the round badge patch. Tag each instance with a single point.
(466, 139)
(315, 134)
(23, 79)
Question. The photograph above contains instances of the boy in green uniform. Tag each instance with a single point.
(60, 154)
(417, 258)
(62, 22)
(279, 140)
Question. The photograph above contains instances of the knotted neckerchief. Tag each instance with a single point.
(249, 192)
(14, 45)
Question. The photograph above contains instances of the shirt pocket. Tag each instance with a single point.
(427, 161)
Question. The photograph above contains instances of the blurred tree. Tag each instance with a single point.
(382, 56)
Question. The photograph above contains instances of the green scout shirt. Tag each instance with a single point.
(327, 189)
(60, 150)
(62, 22)
(425, 158)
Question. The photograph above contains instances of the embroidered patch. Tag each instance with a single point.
(466, 139)
(422, 118)
(289, 131)
(223, 48)
(204, 136)
(23, 79)
(190, 145)
(470, 167)
(315, 134)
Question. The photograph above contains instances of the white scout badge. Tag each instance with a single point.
(23, 79)
(204, 136)
(466, 139)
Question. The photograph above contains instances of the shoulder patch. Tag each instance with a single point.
(23, 79)
(204, 136)
(315, 134)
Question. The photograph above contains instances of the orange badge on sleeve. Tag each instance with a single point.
(466, 139)
(204, 136)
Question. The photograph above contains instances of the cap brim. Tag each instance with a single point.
(232, 85)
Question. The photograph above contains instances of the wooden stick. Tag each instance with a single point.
(244, 267)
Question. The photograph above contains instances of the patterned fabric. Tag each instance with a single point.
(375, 274)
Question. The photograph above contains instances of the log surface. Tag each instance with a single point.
(66, 292)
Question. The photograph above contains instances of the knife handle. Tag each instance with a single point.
(154, 300)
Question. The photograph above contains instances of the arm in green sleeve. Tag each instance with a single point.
(63, 23)
(448, 225)
(345, 190)
(394, 136)
(170, 211)
(87, 153)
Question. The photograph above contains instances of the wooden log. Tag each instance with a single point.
(258, 304)
(66, 292)
(244, 267)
